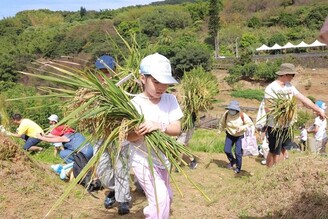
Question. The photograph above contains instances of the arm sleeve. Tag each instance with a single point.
(22, 128)
(175, 113)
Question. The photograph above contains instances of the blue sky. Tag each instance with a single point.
(9, 8)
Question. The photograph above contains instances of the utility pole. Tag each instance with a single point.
(237, 47)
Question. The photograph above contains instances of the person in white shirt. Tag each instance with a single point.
(283, 86)
(319, 130)
(161, 112)
(303, 138)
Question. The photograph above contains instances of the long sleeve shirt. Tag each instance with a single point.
(231, 123)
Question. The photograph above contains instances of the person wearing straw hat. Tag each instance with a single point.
(161, 112)
(235, 124)
(319, 130)
(282, 86)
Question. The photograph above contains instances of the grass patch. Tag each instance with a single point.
(256, 94)
(205, 140)
(47, 155)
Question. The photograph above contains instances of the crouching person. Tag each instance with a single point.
(72, 142)
(29, 131)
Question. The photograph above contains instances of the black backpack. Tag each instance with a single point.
(80, 161)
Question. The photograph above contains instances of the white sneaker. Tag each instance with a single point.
(263, 162)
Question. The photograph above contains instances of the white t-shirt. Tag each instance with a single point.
(304, 135)
(321, 133)
(275, 88)
(166, 111)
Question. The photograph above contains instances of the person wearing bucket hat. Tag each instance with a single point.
(319, 130)
(282, 86)
(161, 111)
(235, 124)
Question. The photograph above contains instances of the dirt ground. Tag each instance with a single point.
(297, 188)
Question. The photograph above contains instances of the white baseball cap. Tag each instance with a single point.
(53, 117)
(159, 67)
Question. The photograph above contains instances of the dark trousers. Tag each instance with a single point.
(229, 142)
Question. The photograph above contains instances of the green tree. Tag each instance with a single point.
(254, 22)
(247, 40)
(83, 12)
(7, 68)
(279, 38)
(198, 10)
(214, 23)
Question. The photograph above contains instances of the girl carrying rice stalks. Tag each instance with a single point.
(162, 112)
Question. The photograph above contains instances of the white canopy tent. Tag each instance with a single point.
(275, 46)
(288, 46)
(263, 47)
(317, 43)
(302, 45)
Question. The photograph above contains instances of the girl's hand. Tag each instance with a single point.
(147, 127)
(239, 129)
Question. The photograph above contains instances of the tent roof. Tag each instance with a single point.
(288, 45)
(302, 44)
(317, 43)
(275, 46)
(263, 47)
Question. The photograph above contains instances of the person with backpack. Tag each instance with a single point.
(72, 142)
(235, 123)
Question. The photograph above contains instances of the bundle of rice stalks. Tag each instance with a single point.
(106, 110)
(283, 110)
(198, 89)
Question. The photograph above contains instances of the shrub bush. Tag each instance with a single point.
(302, 118)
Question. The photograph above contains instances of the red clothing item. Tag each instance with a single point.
(62, 130)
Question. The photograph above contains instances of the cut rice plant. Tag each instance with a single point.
(198, 89)
(283, 110)
(101, 106)
(106, 110)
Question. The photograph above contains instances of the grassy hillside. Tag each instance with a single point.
(296, 188)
